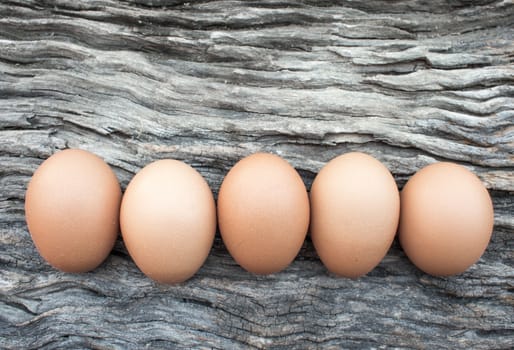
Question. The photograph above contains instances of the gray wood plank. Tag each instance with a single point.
(208, 82)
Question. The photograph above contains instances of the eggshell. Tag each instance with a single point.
(263, 213)
(168, 220)
(72, 208)
(446, 219)
(355, 207)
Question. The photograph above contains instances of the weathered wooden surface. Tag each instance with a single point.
(211, 81)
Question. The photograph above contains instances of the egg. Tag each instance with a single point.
(355, 207)
(446, 219)
(263, 213)
(168, 220)
(72, 209)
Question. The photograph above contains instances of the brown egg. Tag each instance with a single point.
(263, 213)
(168, 220)
(355, 206)
(446, 219)
(72, 207)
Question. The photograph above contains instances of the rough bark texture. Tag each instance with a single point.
(208, 82)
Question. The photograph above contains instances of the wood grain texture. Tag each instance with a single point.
(208, 82)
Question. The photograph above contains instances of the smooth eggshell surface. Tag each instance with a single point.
(168, 220)
(355, 207)
(446, 219)
(263, 213)
(72, 208)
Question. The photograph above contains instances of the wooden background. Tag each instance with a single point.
(208, 82)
